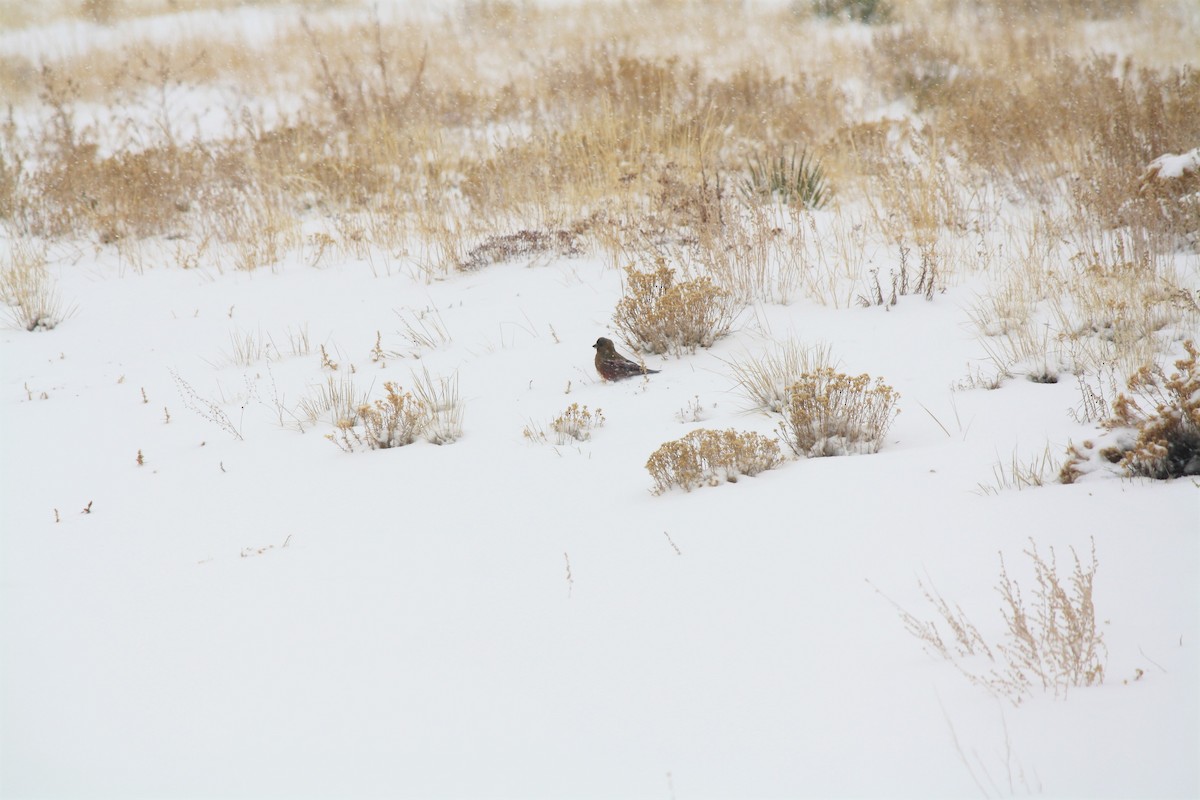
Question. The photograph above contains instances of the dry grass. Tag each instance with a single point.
(1116, 303)
(1020, 474)
(29, 292)
(336, 397)
(767, 379)
(440, 399)
(499, 130)
(611, 111)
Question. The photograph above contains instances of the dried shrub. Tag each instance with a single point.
(1053, 644)
(1056, 643)
(395, 421)
(925, 282)
(26, 287)
(1114, 304)
(1169, 194)
(660, 314)
(829, 413)
(523, 244)
(919, 64)
(1165, 414)
(708, 458)
(575, 424)
(686, 203)
(432, 410)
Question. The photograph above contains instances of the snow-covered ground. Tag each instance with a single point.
(252, 612)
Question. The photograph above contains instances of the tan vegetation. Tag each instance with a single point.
(829, 413)
(925, 142)
(1051, 642)
(636, 122)
(575, 424)
(709, 458)
(1154, 427)
(659, 313)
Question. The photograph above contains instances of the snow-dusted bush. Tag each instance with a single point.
(659, 313)
(1170, 192)
(434, 412)
(395, 421)
(1154, 431)
(828, 413)
(33, 301)
(707, 457)
(1165, 411)
(575, 424)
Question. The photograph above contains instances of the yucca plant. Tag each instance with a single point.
(797, 180)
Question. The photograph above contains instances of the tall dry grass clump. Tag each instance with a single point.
(29, 292)
(766, 380)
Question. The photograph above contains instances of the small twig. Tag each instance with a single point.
(935, 419)
(1151, 660)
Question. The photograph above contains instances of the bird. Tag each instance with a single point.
(613, 366)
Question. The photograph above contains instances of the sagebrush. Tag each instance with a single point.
(829, 413)
(1154, 427)
(1165, 413)
(394, 421)
(708, 458)
(659, 313)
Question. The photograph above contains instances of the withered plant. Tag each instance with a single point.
(659, 313)
(828, 413)
(708, 458)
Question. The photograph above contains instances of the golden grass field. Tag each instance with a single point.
(965, 138)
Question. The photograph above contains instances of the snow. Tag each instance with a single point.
(274, 617)
(269, 616)
(1175, 166)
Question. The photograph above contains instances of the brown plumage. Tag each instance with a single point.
(613, 366)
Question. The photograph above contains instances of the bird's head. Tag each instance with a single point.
(604, 346)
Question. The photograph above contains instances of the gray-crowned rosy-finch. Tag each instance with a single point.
(613, 366)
